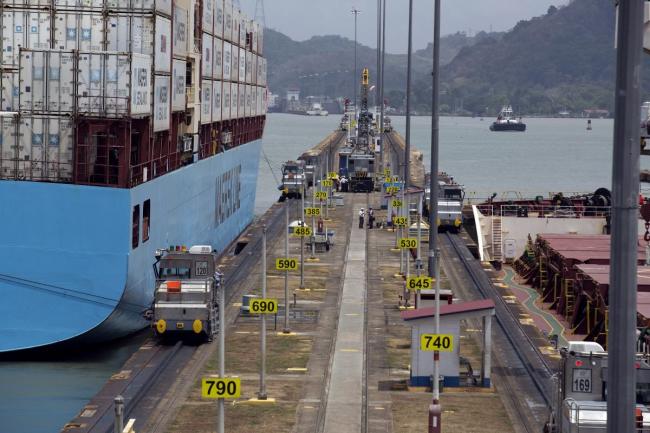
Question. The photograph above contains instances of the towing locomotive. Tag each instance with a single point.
(185, 299)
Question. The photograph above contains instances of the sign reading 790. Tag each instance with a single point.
(216, 387)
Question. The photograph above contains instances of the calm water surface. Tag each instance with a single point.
(39, 396)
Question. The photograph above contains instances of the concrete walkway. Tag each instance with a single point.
(345, 394)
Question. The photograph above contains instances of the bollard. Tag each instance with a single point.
(119, 414)
(435, 418)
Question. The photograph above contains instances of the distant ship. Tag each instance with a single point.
(506, 121)
(317, 110)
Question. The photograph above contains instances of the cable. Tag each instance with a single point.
(266, 158)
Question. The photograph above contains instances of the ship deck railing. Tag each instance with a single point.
(544, 211)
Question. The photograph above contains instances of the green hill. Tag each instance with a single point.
(564, 59)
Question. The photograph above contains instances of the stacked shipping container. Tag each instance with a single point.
(78, 77)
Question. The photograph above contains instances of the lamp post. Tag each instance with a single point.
(435, 411)
(356, 12)
(621, 384)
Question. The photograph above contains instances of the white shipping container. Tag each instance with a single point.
(249, 100)
(249, 67)
(207, 54)
(23, 29)
(207, 20)
(218, 19)
(255, 69)
(234, 101)
(45, 148)
(236, 19)
(243, 28)
(217, 67)
(47, 81)
(74, 4)
(147, 6)
(9, 82)
(111, 83)
(8, 145)
(262, 78)
(163, 45)
(26, 3)
(206, 102)
(227, 61)
(179, 71)
(216, 101)
(130, 33)
(180, 31)
(260, 40)
(242, 65)
(76, 30)
(225, 101)
(161, 103)
(241, 106)
(255, 33)
(260, 95)
(227, 20)
(234, 69)
(254, 94)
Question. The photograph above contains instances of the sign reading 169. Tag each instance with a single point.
(437, 342)
(216, 387)
(406, 243)
(283, 264)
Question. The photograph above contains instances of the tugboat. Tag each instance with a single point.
(506, 121)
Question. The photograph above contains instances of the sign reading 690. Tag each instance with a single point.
(263, 306)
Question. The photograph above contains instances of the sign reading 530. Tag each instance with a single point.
(406, 243)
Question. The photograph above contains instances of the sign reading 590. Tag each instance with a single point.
(287, 264)
(216, 387)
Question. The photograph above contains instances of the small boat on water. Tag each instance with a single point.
(317, 110)
(506, 121)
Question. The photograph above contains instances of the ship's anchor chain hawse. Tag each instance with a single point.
(645, 213)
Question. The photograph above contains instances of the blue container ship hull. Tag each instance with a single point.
(69, 267)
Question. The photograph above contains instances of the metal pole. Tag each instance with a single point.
(625, 192)
(222, 350)
(262, 394)
(119, 414)
(418, 261)
(356, 12)
(302, 238)
(286, 329)
(313, 221)
(329, 190)
(378, 52)
(433, 178)
(383, 61)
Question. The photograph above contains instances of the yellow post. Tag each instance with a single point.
(588, 314)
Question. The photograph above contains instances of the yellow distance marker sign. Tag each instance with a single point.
(418, 283)
(263, 306)
(406, 243)
(332, 175)
(302, 231)
(396, 203)
(399, 221)
(312, 211)
(392, 189)
(321, 195)
(328, 183)
(216, 387)
(387, 172)
(437, 343)
(283, 264)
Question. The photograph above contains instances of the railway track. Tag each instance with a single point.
(151, 384)
(522, 368)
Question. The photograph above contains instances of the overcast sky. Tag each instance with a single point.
(301, 19)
